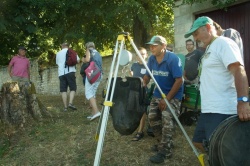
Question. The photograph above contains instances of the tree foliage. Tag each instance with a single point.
(43, 25)
(221, 4)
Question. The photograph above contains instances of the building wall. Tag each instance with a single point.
(236, 16)
(184, 16)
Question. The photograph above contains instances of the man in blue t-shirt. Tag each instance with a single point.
(166, 68)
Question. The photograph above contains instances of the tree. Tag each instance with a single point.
(218, 3)
(43, 25)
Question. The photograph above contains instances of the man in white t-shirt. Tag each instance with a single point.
(67, 77)
(223, 80)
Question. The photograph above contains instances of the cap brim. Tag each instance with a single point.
(190, 32)
(153, 43)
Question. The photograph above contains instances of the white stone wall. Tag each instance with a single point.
(47, 82)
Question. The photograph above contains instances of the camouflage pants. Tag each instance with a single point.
(162, 123)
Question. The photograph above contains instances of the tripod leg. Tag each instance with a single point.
(101, 130)
(102, 136)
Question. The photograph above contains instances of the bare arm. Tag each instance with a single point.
(29, 73)
(87, 59)
(10, 70)
(29, 70)
(146, 80)
(241, 84)
(131, 73)
(78, 59)
(184, 75)
(178, 82)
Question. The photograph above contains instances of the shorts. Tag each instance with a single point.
(207, 123)
(19, 79)
(90, 89)
(68, 80)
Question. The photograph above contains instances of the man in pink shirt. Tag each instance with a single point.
(19, 66)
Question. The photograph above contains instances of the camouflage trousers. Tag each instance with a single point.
(162, 123)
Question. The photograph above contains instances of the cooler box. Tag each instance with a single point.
(190, 96)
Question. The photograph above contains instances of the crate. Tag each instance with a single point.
(190, 96)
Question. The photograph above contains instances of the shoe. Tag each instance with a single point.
(154, 148)
(158, 158)
(138, 136)
(95, 116)
(150, 132)
(89, 117)
(71, 106)
(65, 109)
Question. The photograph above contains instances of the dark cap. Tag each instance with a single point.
(156, 40)
(22, 48)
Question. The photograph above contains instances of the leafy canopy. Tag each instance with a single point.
(43, 25)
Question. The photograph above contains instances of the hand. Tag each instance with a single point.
(162, 105)
(243, 110)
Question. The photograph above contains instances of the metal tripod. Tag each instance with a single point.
(108, 98)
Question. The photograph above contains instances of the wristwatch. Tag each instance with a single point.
(244, 99)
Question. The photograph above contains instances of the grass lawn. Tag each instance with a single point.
(68, 138)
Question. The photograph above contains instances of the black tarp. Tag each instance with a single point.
(129, 104)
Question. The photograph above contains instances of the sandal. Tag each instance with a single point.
(138, 136)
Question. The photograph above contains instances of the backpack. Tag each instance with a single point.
(92, 72)
(71, 58)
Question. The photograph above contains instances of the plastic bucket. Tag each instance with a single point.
(229, 144)
(190, 96)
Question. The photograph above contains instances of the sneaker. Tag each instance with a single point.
(158, 158)
(95, 116)
(65, 109)
(89, 117)
(71, 106)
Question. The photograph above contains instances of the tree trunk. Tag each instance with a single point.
(19, 104)
(140, 34)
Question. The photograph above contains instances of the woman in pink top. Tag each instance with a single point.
(19, 66)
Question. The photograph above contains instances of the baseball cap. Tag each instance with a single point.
(22, 48)
(65, 44)
(199, 22)
(156, 40)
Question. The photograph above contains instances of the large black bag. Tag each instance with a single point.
(129, 104)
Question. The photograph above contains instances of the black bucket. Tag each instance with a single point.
(229, 145)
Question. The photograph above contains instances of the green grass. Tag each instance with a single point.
(68, 139)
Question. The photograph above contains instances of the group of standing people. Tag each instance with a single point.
(219, 71)
(19, 70)
(68, 79)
